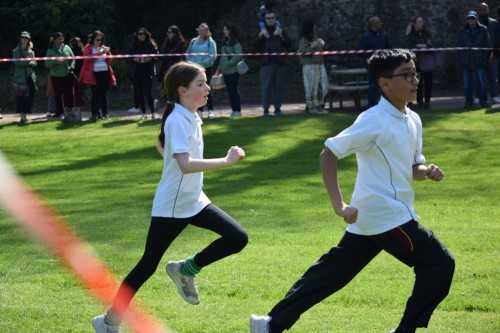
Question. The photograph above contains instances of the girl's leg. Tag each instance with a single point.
(162, 233)
(433, 265)
(233, 237)
(139, 93)
(57, 84)
(102, 80)
(94, 101)
(148, 86)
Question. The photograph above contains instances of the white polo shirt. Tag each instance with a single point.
(180, 195)
(387, 145)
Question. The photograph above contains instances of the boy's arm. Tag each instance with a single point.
(328, 163)
(422, 172)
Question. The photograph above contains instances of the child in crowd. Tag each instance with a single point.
(267, 6)
(181, 144)
(387, 141)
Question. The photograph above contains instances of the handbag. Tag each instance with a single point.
(217, 82)
(72, 75)
(242, 67)
(429, 62)
(18, 89)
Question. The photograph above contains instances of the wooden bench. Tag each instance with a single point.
(352, 89)
(348, 81)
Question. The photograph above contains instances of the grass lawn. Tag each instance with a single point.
(101, 177)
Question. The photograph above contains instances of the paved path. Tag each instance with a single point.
(254, 110)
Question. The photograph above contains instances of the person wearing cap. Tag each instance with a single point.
(24, 74)
(474, 62)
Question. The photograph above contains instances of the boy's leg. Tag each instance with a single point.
(433, 265)
(331, 273)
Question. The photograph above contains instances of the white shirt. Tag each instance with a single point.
(180, 195)
(387, 144)
(100, 64)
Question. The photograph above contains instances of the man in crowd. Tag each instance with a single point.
(373, 39)
(272, 39)
(491, 74)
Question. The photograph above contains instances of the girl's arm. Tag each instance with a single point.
(187, 164)
(328, 163)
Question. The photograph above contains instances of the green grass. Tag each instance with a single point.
(102, 177)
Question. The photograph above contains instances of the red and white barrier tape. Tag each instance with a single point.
(45, 225)
(279, 54)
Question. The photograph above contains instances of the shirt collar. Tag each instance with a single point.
(193, 118)
(393, 111)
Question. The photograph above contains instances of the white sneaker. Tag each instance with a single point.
(155, 116)
(200, 114)
(62, 117)
(316, 111)
(495, 99)
(185, 284)
(475, 100)
(259, 324)
(235, 114)
(133, 110)
(210, 114)
(101, 327)
(143, 117)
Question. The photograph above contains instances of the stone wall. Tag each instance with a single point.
(342, 22)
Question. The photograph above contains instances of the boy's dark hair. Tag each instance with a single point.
(383, 63)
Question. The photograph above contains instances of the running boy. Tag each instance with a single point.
(179, 199)
(387, 141)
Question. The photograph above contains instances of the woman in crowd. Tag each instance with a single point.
(77, 48)
(63, 85)
(228, 69)
(174, 43)
(24, 75)
(97, 73)
(142, 71)
(204, 44)
(313, 68)
(417, 37)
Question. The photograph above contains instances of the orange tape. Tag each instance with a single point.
(43, 223)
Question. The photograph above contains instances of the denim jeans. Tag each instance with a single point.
(272, 80)
(231, 82)
(479, 74)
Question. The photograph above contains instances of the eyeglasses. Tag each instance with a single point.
(408, 76)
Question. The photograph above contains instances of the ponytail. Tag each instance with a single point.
(168, 110)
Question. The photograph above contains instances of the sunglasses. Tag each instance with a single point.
(141, 33)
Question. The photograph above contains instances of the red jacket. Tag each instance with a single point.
(87, 72)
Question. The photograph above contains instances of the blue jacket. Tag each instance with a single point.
(474, 37)
(372, 40)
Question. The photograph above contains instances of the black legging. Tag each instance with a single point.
(163, 231)
(143, 84)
